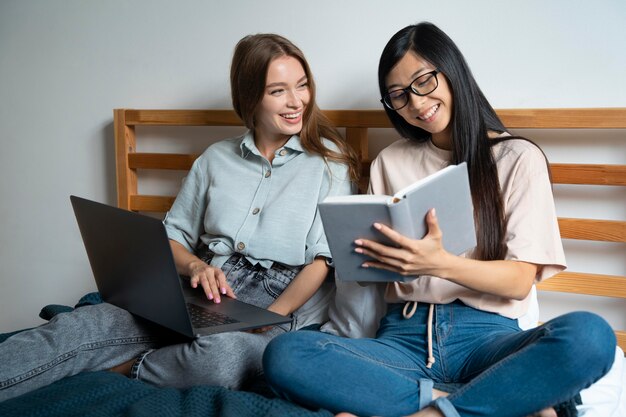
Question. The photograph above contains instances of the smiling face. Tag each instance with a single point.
(279, 114)
(432, 112)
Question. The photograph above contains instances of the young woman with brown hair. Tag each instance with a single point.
(244, 224)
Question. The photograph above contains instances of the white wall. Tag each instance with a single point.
(65, 64)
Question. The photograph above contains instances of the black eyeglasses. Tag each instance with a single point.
(421, 86)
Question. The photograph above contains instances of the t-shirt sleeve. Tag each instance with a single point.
(532, 228)
(377, 178)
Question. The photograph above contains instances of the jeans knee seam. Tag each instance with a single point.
(486, 372)
(68, 355)
(370, 359)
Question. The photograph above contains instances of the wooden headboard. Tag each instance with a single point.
(356, 124)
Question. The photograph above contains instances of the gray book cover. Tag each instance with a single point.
(348, 218)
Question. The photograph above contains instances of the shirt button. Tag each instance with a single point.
(283, 152)
(267, 174)
(241, 246)
(256, 211)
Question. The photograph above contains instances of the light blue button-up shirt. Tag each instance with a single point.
(235, 201)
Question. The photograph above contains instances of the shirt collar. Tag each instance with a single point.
(294, 144)
(443, 154)
(247, 144)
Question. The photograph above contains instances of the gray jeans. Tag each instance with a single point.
(101, 336)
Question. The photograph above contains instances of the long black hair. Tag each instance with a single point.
(472, 119)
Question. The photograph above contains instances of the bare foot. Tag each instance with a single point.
(546, 412)
(429, 411)
(123, 368)
(346, 415)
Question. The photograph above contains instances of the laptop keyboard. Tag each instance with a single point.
(201, 317)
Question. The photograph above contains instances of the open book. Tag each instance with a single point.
(347, 218)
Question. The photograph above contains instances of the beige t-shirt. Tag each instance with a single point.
(532, 232)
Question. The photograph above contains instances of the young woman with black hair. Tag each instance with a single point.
(457, 321)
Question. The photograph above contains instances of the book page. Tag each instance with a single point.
(358, 198)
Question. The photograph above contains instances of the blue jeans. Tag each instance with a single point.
(99, 337)
(504, 371)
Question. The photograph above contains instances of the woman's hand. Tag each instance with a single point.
(274, 307)
(504, 278)
(211, 279)
(410, 257)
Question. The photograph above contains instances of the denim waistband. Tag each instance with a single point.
(206, 255)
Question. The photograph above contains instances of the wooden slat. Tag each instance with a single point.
(151, 203)
(583, 283)
(561, 173)
(356, 137)
(582, 229)
(182, 118)
(589, 284)
(161, 161)
(591, 174)
(365, 168)
(621, 340)
(125, 144)
(597, 118)
(597, 230)
(359, 118)
(342, 118)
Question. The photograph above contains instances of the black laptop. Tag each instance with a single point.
(134, 269)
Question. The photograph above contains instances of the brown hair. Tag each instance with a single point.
(248, 74)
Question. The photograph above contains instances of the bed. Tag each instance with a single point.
(104, 393)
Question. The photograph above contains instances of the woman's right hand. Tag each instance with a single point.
(409, 257)
(211, 279)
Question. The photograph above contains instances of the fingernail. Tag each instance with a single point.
(217, 300)
(358, 250)
(377, 226)
(210, 296)
(358, 242)
(434, 213)
(223, 290)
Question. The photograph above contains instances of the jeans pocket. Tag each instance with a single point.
(259, 286)
(273, 285)
(278, 277)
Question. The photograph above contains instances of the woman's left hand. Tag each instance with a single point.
(411, 256)
(275, 309)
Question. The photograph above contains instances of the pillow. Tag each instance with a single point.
(607, 397)
(356, 310)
